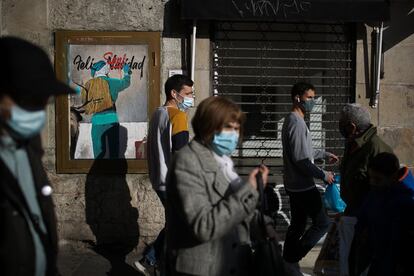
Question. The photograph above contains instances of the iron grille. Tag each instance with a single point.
(256, 64)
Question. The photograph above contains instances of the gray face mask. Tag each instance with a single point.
(308, 105)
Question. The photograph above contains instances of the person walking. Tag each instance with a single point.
(385, 229)
(299, 174)
(168, 133)
(209, 207)
(362, 145)
(28, 242)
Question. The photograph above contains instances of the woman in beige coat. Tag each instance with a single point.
(209, 207)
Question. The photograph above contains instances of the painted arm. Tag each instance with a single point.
(119, 84)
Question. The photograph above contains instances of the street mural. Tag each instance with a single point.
(109, 113)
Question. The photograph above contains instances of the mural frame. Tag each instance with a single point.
(63, 39)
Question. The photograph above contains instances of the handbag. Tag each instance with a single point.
(267, 257)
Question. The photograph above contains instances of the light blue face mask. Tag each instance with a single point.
(225, 142)
(26, 123)
(186, 103)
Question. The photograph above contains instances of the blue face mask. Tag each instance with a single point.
(308, 105)
(225, 142)
(25, 123)
(186, 103)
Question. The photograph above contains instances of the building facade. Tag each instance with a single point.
(254, 62)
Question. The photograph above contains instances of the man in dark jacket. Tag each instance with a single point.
(28, 240)
(362, 146)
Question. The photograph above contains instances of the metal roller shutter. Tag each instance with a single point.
(256, 64)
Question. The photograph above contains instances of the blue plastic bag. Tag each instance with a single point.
(332, 197)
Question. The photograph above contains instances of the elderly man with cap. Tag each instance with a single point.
(362, 146)
(103, 93)
(28, 240)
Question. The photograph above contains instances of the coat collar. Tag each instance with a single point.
(205, 155)
(366, 136)
(209, 164)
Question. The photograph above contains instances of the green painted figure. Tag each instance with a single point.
(100, 94)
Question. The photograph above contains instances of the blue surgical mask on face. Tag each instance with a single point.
(308, 105)
(26, 123)
(186, 103)
(225, 142)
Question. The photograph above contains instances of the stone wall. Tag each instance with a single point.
(395, 113)
(106, 208)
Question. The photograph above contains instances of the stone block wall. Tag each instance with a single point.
(394, 115)
(106, 208)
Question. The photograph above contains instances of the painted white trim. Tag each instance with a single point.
(193, 49)
(380, 30)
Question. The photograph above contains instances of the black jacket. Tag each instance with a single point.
(17, 252)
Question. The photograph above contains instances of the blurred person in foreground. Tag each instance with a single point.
(384, 234)
(210, 209)
(28, 240)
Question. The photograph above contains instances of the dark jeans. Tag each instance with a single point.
(304, 205)
(159, 242)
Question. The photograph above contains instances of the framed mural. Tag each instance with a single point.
(117, 79)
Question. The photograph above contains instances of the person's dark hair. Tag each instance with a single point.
(385, 163)
(176, 83)
(211, 116)
(300, 88)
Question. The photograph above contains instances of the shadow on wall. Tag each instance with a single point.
(175, 27)
(110, 215)
(401, 25)
(398, 29)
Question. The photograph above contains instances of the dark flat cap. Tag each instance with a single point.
(27, 71)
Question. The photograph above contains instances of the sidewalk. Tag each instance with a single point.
(308, 262)
(79, 259)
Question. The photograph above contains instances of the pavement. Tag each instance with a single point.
(307, 263)
(83, 259)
